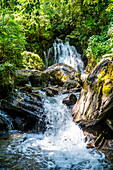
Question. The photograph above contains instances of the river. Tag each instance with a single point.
(61, 147)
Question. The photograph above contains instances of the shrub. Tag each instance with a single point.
(32, 61)
(12, 40)
(98, 45)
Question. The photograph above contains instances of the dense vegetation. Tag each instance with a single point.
(33, 25)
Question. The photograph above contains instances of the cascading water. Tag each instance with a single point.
(64, 53)
(61, 147)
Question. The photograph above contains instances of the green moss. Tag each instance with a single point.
(85, 86)
(101, 74)
(105, 79)
(44, 79)
(64, 77)
(96, 88)
(107, 89)
(58, 75)
(27, 88)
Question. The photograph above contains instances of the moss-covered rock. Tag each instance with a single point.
(22, 76)
(7, 76)
(51, 91)
(26, 88)
(96, 98)
(57, 74)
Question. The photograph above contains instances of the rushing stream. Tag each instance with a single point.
(62, 146)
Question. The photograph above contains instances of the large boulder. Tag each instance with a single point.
(22, 76)
(26, 110)
(70, 100)
(51, 91)
(57, 74)
(95, 105)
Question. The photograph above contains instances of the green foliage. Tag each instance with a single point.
(28, 17)
(90, 20)
(91, 2)
(7, 73)
(12, 40)
(110, 32)
(12, 43)
(39, 23)
(110, 6)
(97, 47)
(32, 61)
(8, 4)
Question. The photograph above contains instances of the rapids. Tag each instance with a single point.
(61, 147)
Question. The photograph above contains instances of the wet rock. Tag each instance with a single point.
(57, 74)
(27, 88)
(73, 90)
(109, 121)
(95, 104)
(22, 76)
(71, 84)
(5, 122)
(70, 100)
(50, 91)
(3, 125)
(35, 79)
(26, 110)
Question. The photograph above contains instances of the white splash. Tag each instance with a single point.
(64, 53)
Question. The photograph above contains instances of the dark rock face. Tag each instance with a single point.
(26, 110)
(70, 100)
(22, 76)
(5, 122)
(95, 104)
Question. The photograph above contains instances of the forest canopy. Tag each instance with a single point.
(33, 25)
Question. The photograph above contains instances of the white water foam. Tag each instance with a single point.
(64, 53)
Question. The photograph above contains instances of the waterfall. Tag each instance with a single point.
(64, 53)
(61, 147)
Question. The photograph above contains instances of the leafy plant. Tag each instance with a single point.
(32, 61)
(12, 40)
(98, 45)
